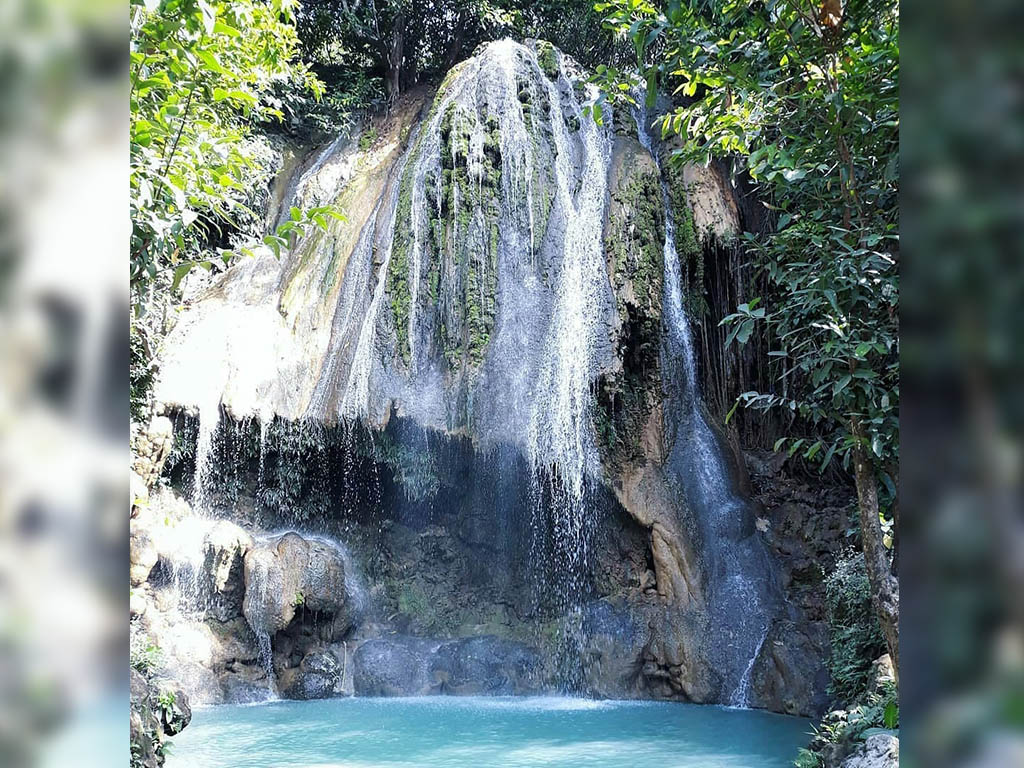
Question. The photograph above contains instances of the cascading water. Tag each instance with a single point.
(741, 606)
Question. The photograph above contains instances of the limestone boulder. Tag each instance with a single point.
(392, 666)
(142, 553)
(175, 712)
(485, 665)
(790, 674)
(282, 575)
(880, 750)
(316, 677)
(225, 548)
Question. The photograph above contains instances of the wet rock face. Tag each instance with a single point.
(612, 652)
(392, 666)
(285, 575)
(226, 546)
(482, 665)
(317, 677)
(790, 674)
(485, 665)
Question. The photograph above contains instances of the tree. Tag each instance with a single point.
(203, 74)
(806, 94)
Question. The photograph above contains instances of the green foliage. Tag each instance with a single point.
(807, 758)
(203, 73)
(166, 700)
(810, 105)
(856, 639)
(141, 371)
(547, 57)
(412, 467)
(367, 139)
(143, 656)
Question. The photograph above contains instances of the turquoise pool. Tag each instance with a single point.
(479, 732)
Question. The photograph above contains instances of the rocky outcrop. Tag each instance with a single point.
(880, 750)
(289, 574)
(392, 666)
(410, 666)
(158, 710)
(317, 677)
(150, 449)
(613, 648)
(485, 665)
(789, 674)
(142, 554)
(225, 548)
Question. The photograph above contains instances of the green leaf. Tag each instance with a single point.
(179, 274)
(891, 716)
(226, 29)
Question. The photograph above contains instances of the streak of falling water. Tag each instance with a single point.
(560, 438)
(739, 597)
(560, 433)
(209, 421)
(355, 402)
(358, 276)
(741, 696)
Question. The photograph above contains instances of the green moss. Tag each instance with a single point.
(547, 57)
(688, 247)
(368, 138)
(464, 282)
(634, 250)
(398, 288)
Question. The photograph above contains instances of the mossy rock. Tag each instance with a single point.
(547, 57)
(634, 240)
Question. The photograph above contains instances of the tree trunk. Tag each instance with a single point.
(396, 52)
(885, 593)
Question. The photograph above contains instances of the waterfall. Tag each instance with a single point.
(209, 421)
(560, 433)
(741, 696)
(741, 605)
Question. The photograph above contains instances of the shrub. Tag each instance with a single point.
(855, 636)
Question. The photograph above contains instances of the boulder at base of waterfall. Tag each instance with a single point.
(392, 666)
(315, 678)
(143, 554)
(612, 649)
(288, 573)
(175, 712)
(790, 675)
(485, 665)
(881, 750)
(226, 546)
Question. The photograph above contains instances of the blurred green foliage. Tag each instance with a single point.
(854, 635)
(203, 75)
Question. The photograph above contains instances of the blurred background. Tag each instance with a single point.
(64, 383)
